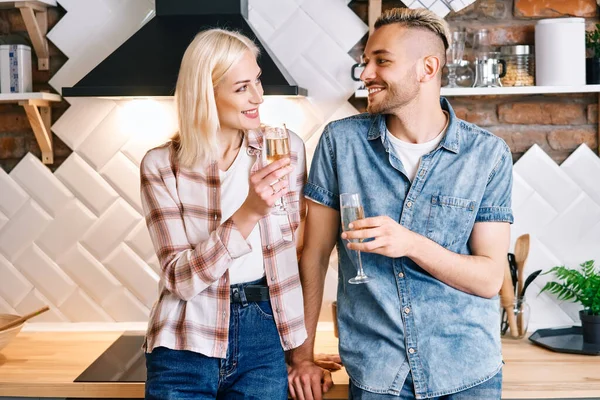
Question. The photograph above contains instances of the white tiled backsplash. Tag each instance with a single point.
(76, 239)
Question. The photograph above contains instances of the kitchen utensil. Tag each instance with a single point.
(455, 56)
(8, 334)
(507, 300)
(487, 71)
(521, 254)
(513, 271)
(528, 281)
(20, 320)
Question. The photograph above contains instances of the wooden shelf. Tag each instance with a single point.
(508, 90)
(16, 97)
(35, 16)
(37, 108)
(37, 3)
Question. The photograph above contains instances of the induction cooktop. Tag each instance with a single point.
(123, 361)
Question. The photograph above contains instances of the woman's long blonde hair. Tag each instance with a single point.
(205, 62)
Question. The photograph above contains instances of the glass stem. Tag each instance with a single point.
(360, 268)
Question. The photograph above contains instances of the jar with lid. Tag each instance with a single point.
(520, 65)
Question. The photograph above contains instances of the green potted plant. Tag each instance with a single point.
(592, 64)
(581, 287)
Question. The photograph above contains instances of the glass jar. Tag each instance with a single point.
(515, 320)
(520, 65)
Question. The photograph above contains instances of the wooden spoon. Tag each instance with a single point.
(24, 318)
(507, 299)
(521, 254)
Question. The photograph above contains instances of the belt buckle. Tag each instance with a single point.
(235, 295)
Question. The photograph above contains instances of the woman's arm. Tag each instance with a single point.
(189, 269)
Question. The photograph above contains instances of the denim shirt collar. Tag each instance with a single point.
(450, 142)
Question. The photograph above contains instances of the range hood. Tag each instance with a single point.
(147, 64)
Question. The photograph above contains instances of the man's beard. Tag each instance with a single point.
(389, 102)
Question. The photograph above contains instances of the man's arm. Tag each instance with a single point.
(321, 229)
(480, 273)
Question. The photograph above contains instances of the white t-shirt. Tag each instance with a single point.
(234, 189)
(410, 153)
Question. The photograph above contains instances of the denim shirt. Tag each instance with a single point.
(405, 319)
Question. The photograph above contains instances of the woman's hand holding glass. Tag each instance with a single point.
(277, 146)
(267, 187)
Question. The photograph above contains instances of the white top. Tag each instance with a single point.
(410, 153)
(234, 189)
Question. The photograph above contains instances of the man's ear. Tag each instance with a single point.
(431, 65)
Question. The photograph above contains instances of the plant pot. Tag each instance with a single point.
(592, 71)
(591, 327)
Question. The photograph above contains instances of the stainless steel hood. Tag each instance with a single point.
(147, 64)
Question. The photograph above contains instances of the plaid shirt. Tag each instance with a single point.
(195, 249)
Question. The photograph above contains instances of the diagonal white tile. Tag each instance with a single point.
(140, 242)
(34, 301)
(89, 273)
(583, 166)
(80, 119)
(48, 277)
(134, 273)
(110, 229)
(23, 228)
(348, 28)
(106, 139)
(89, 187)
(41, 184)
(14, 285)
(69, 226)
(13, 196)
(79, 307)
(124, 307)
(542, 174)
(124, 176)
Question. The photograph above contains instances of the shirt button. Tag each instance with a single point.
(409, 204)
(268, 247)
(401, 275)
(272, 278)
(434, 200)
(215, 217)
(406, 310)
(277, 310)
(411, 350)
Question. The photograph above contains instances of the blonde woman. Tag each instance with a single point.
(230, 301)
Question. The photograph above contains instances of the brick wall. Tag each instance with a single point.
(557, 123)
(16, 136)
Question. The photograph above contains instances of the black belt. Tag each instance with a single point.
(252, 292)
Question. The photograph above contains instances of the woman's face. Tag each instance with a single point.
(239, 94)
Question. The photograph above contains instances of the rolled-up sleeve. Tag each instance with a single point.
(322, 186)
(496, 202)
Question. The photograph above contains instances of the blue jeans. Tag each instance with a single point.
(488, 390)
(254, 368)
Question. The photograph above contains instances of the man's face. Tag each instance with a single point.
(390, 72)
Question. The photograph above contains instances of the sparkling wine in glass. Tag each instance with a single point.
(276, 147)
(352, 210)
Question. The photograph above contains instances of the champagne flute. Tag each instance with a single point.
(276, 147)
(351, 210)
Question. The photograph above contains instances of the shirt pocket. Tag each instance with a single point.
(449, 219)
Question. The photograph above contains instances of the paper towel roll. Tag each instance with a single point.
(560, 52)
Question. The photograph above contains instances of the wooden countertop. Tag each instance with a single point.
(44, 364)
